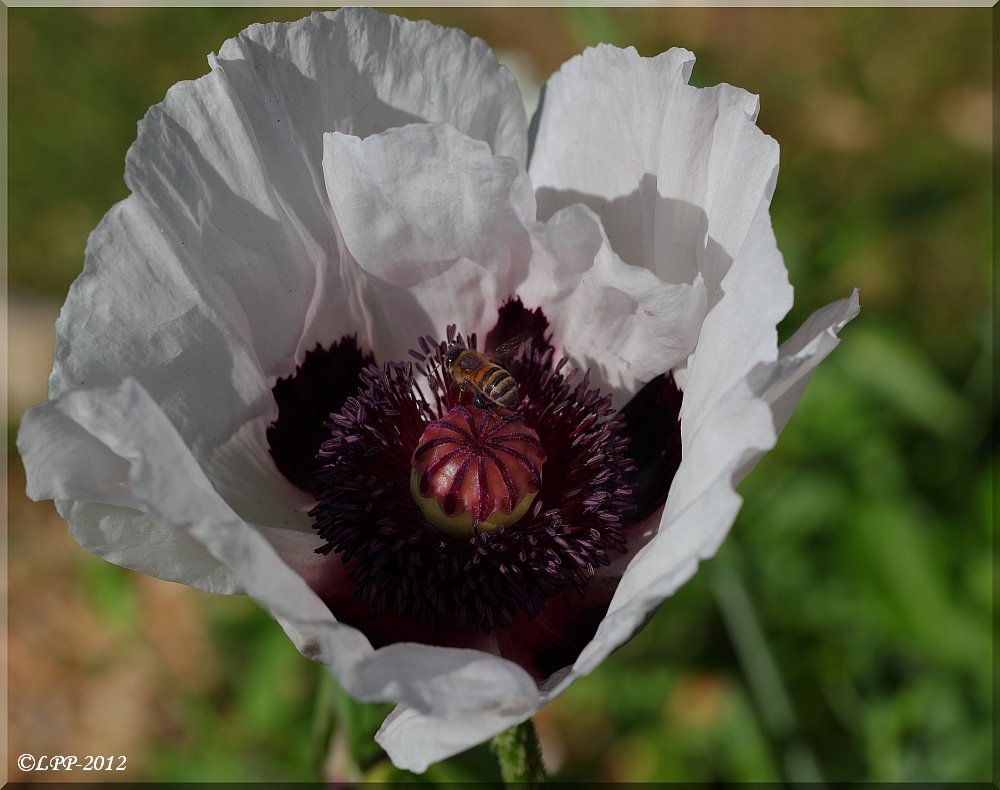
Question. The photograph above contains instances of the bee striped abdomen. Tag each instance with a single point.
(500, 387)
(490, 381)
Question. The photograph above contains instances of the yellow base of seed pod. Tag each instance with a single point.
(460, 526)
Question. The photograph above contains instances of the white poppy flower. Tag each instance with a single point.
(346, 186)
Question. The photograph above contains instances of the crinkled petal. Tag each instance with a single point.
(621, 322)
(782, 383)
(675, 172)
(434, 219)
(132, 539)
(166, 482)
(447, 682)
(145, 308)
(603, 115)
(692, 528)
(64, 462)
(446, 231)
(742, 425)
(360, 72)
(801, 353)
(740, 392)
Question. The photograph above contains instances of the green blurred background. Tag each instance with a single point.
(843, 632)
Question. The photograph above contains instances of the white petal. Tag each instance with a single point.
(201, 286)
(620, 322)
(739, 395)
(799, 356)
(166, 482)
(602, 117)
(782, 383)
(435, 219)
(442, 227)
(361, 72)
(739, 331)
(132, 539)
(675, 172)
(225, 266)
(145, 308)
(63, 461)
(447, 682)
(703, 503)
(252, 246)
(415, 741)
(724, 426)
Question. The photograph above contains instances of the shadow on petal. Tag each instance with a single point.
(668, 236)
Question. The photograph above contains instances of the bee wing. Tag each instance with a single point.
(510, 348)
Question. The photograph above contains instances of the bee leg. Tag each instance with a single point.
(479, 401)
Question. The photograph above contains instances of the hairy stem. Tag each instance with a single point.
(519, 755)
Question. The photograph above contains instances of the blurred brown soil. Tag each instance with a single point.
(79, 683)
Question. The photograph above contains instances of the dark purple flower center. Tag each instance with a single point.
(407, 565)
(589, 491)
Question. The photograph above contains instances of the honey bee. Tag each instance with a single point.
(489, 382)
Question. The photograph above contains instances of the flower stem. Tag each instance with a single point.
(519, 755)
(323, 717)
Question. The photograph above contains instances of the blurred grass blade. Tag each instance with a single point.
(755, 658)
(762, 673)
(323, 717)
